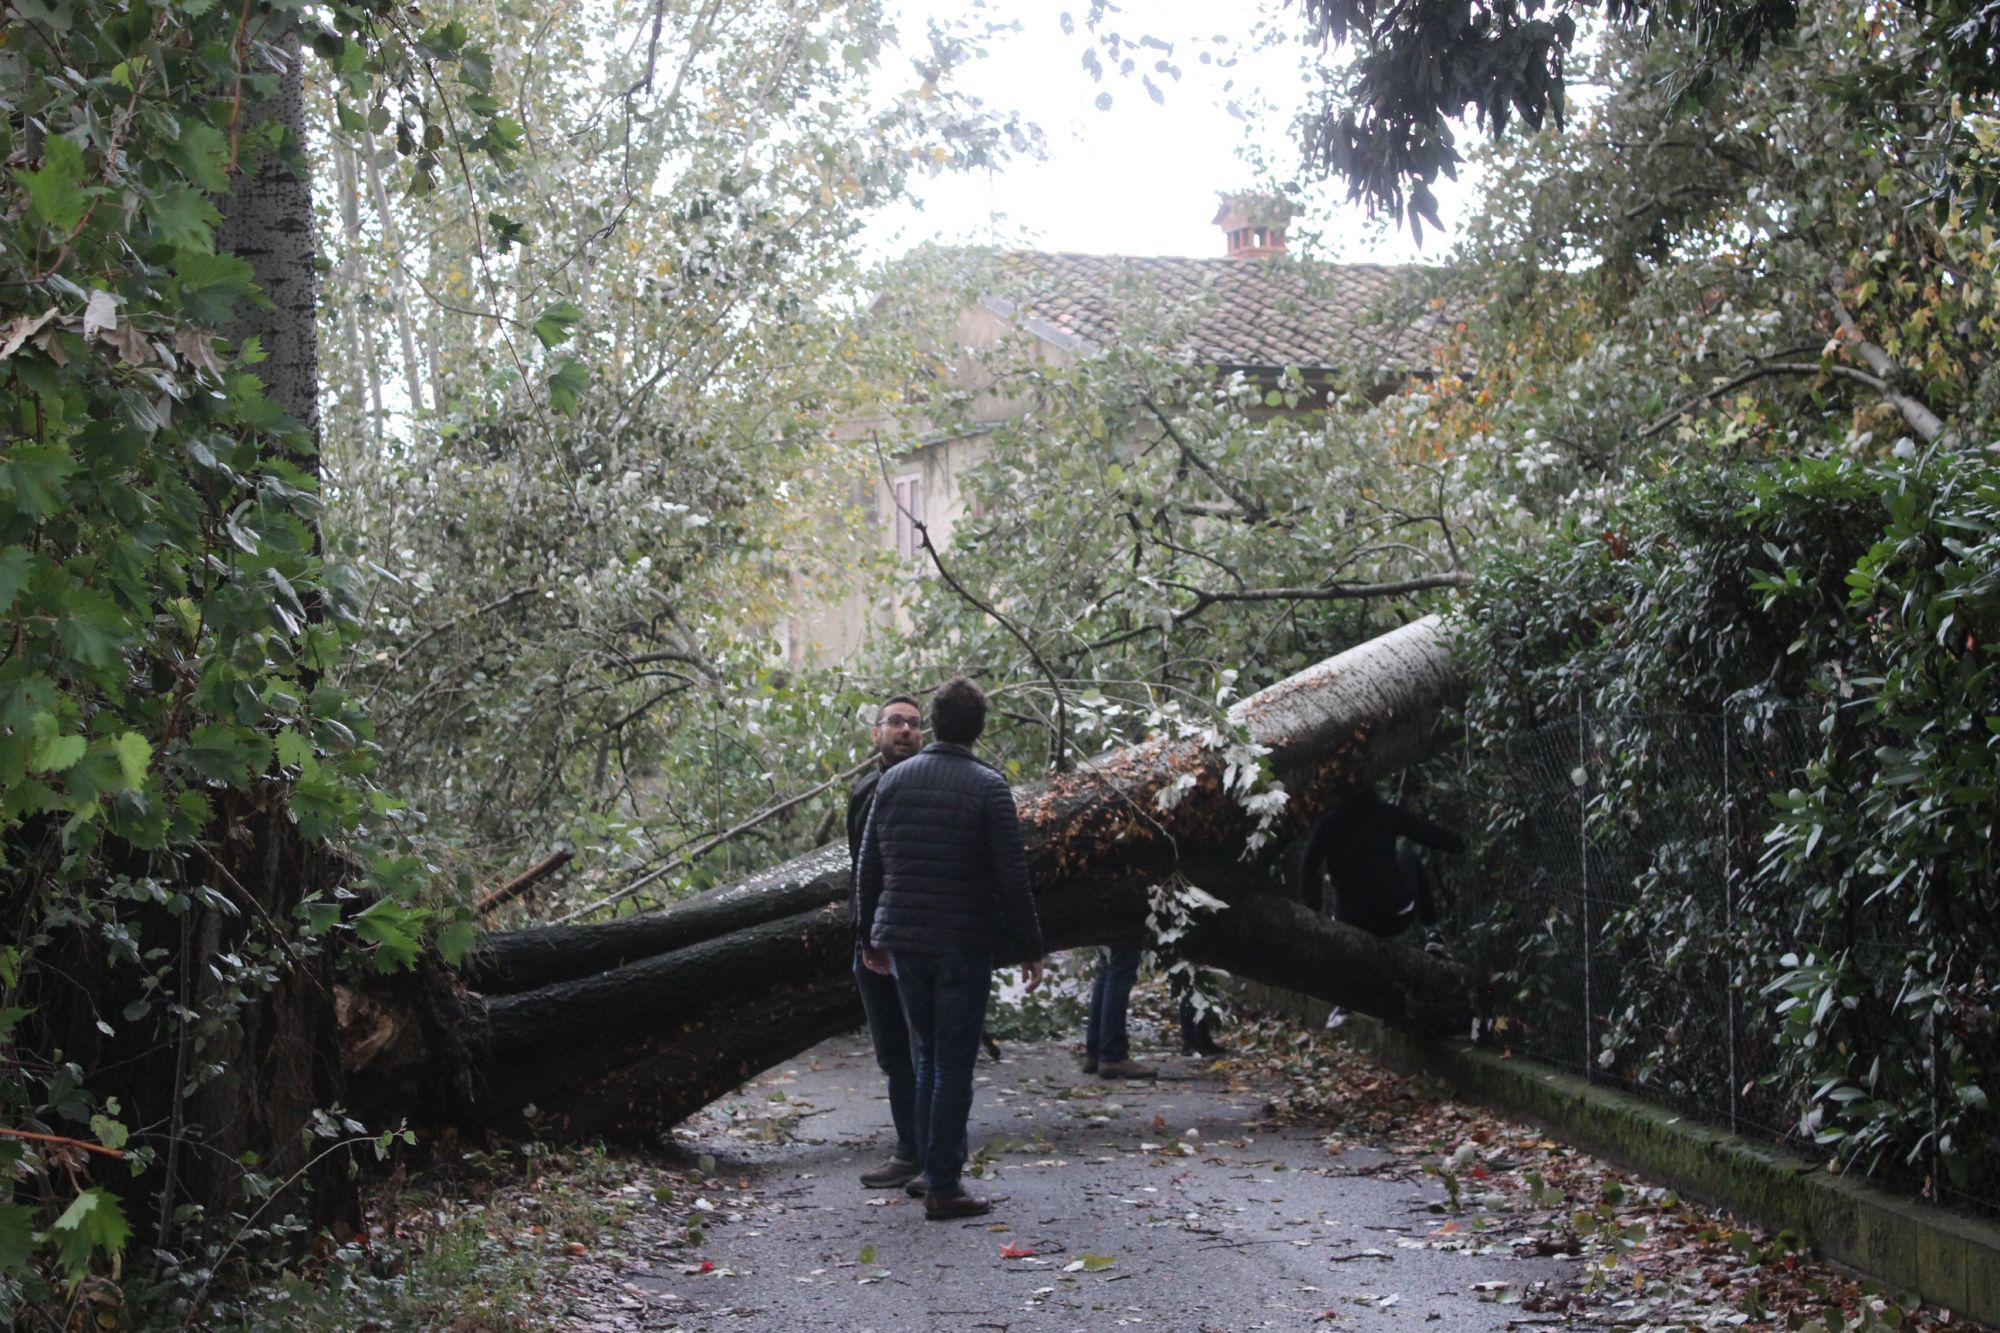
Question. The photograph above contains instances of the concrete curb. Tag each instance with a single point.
(1943, 1258)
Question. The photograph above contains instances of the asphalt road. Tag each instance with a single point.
(1186, 1204)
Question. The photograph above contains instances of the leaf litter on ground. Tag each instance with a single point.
(1649, 1259)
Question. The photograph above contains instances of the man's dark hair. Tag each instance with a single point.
(883, 707)
(958, 711)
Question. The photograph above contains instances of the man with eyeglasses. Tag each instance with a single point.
(897, 734)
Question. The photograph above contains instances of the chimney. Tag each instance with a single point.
(1254, 224)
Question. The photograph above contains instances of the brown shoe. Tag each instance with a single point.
(950, 1207)
(914, 1187)
(891, 1174)
(1126, 1069)
(1090, 1064)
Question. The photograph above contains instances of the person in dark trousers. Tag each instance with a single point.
(1360, 849)
(1198, 1034)
(897, 734)
(942, 888)
(1107, 1047)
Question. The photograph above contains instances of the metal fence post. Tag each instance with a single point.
(1583, 884)
(1730, 943)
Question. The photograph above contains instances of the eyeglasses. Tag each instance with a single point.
(897, 722)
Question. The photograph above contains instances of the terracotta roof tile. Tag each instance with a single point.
(1232, 313)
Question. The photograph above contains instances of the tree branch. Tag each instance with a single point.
(453, 623)
(65, 1141)
(682, 858)
(1915, 414)
(1334, 592)
(1060, 748)
(1756, 371)
(1253, 511)
(528, 878)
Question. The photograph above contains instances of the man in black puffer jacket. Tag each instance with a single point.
(942, 886)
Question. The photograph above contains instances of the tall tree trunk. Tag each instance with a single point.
(623, 1028)
(392, 249)
(282, 1054)
(365, 381)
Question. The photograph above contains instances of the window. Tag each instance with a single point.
(908, 491)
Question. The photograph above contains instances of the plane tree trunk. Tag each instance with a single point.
(621, 1029)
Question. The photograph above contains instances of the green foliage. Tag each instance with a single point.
(1864, 932)
(1385, 124)
(585, 505)
(170, 613)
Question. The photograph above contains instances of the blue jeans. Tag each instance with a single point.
(890, 1035)
(1104, 1035)
(944, 998)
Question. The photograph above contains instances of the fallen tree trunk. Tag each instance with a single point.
(621, 1029)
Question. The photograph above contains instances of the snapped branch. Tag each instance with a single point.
(1915, 414)
(680, 859)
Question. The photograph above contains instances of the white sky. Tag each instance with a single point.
(1140, 178)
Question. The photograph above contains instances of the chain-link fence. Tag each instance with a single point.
(1613, 899)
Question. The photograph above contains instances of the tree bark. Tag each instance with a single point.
(285, 1064)
(620, 1030)
(398, 261)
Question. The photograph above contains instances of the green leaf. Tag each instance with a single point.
(17, 1237)
(211, 284)
(55, 193)
(92, 629)
(94, 1222)
(503, 137)
(184, 218)
(15, 562)
(226, 753)
(476, 68)
(134, 755)
(201, 152)
(53, 754)
(321, 917)
(553, 325)
(111, 1133)
(1096, 1263)
(867, 1255)
(292, 747)
(567, 386)
(34, 475)
(392, 928)
(507, 233)
(457, 940)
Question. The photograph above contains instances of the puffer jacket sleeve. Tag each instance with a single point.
(1020, 927)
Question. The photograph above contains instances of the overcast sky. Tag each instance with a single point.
(1140, 177)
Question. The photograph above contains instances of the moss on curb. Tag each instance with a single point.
(1944, 1258)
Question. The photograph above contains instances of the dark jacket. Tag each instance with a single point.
(942, 867)
(1353, 848)
(858, 803)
